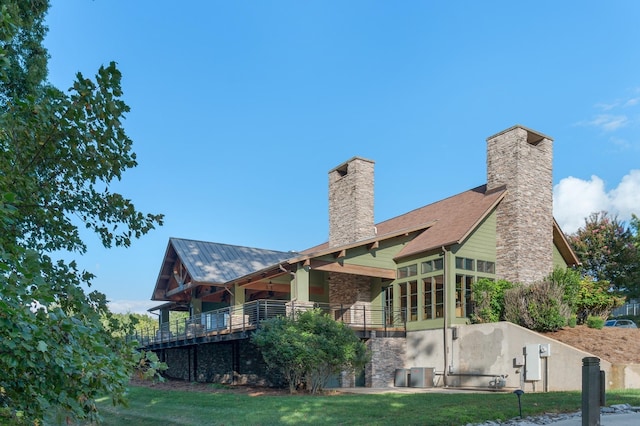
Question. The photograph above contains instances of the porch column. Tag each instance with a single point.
(300, 284)
(196, 306)
(238, 295)
(163, 317)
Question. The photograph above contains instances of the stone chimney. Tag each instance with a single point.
(521, 159)
(351, 202)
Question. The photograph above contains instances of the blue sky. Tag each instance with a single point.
(239, 109)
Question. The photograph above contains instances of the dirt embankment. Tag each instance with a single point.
(616, 345)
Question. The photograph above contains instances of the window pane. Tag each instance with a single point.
(459, 262)
(459, 295)
(427, 312)
(427, 267)
(439, 296)
(468, 264)
(408, 271)
(467, 297)
(437, 265)
(413, 300)
(412, 270)
(403, 299)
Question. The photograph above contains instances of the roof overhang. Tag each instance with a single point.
(563, 246)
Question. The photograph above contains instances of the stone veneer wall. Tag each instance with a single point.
(354, 293)
(522, 160)
(387, 354)
(351, 202)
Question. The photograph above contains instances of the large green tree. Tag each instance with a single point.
(608, 250)
(59, 152)
(308, 347)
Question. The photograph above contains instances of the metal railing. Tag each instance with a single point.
(236, 319)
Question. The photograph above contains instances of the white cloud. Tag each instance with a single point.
(131, 306)
(608, 122)
(575, 199)
(625, 199)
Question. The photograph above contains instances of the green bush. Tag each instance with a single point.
(573, 321)
(538, 307)
(488, 296)
(595, 322)
(308, 347)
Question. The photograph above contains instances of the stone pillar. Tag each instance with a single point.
(521, 160)
(351, 202)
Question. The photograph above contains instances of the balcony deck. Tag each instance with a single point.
(237, 322)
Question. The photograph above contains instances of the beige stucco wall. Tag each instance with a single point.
(482, 351)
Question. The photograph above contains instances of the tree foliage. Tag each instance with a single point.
(488, 297)
(609, 251)
(538, 306)
(547, 305)
(309, 348)
(59, 152)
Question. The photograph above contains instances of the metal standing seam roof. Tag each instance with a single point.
(220, 263)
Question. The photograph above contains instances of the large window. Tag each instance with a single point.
(463, 295)
(433, 297)
(409, 300)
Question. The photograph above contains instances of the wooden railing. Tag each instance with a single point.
(238, 319)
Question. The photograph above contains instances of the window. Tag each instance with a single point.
(486, 266)
(465, 263)
(463, 295)
(409, 300)
(403, 300)
(433, 297)
(388, 305)
(413, 300)
(427, 303)
(432, 265)
(408, 271)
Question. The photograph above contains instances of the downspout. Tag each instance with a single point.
(445, 315)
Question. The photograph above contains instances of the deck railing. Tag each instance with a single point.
(235, 319)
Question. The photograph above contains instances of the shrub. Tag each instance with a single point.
(309, 348)
(538, 307)
(573, 321)
(595, 322)
(596, 299)
(488, 296)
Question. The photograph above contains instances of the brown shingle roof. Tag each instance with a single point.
(455, 218)
(446, 221)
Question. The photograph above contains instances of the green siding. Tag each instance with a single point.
(558, 260)
(481, 244)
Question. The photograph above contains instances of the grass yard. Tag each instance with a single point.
(171, 407)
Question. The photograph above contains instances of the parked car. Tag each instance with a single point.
(623, 323)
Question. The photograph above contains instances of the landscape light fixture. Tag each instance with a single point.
(518, 393)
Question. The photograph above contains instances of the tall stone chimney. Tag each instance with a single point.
(521, 159)
(351, 202)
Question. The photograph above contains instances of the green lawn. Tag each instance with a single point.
(153, 407)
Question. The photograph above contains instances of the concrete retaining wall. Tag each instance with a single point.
(482, 352)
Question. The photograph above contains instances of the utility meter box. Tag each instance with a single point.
(545, 350)
(532, 365)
